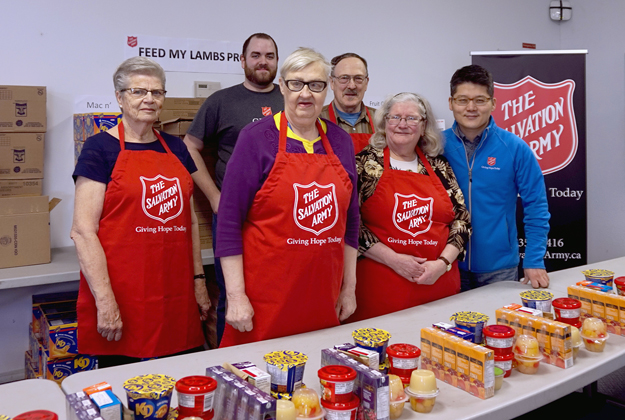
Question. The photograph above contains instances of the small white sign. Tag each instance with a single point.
(186, 54)
(89, 104)
(440, 124)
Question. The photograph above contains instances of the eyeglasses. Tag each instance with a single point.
(343, 80)
(316, 86)
(410, 120)
(140, 93)
(478, 101)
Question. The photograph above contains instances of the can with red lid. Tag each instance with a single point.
(404, 358)
(337, 383)
(499, 338)
(504, 362)
(341, 411)
(568, 311)
(37, 415)
(619, 282)
(195, 396)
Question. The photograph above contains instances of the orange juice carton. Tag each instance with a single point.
(544, 338)
(612, 316)
(426, 348)
(501, 316)
(463, 365)
(561, 345)
(449, 360)
(528, 325)
(482, 372)
(438, 344)
(621, 313)
(573, 292)
(598, 304)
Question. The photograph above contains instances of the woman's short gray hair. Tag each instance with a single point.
(134, 66)
(431, 142)
(301, 58)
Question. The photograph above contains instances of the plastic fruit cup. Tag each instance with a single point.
(505, 363)
(372, 339)
(397, 396)
(195, 396)
(499, 375)
(404, 358)
(527, 346)
(600, 276)
(499, 338)
(306, 401)
(537, 299)
(422, 403)
(568, 310)
(285, 410)
(595, 344)
(619, 282)
(527, 365)
(576, 341)
(346, 410)
(337, 383)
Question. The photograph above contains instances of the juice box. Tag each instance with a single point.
(612, 316)
(482, 372)
(561, 345)
(585, 297)
(438, 345)
(598, 304)
(449, 360)
(544, 338)
(463, 365)
(426, 348)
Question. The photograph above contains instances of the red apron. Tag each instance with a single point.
(410, 213)
(293, 245)
(360, 140)
(145, 231)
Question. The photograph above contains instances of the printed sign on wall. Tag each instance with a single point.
(186, 54)
(542, 99)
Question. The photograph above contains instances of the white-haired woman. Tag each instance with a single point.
(414, 223)
(288, 216)
(135, 232)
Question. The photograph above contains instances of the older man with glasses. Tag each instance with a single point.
(493, 168)
(349, 80)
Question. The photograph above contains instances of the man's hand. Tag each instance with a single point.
(538, 277)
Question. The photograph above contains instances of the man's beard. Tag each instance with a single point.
(260, 79)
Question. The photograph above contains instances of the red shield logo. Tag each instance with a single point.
(266, 111)
(412, 214)
(132, 41)
(162, 198)
(542, 115)
(491, 161)
(314, 208)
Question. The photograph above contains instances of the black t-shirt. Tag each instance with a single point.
(99, 155)
(224, 114)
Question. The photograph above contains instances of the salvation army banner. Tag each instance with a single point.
(186, 54)
(541, 97)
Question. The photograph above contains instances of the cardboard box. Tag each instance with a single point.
(61, 335)
(59, 369)
(25, 230)
(21, 187)
(172, 114)
(21, 155)
(183, 103)
(46, 298)
(23, 109)
(176, 127)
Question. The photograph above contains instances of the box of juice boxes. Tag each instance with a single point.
(608, 307)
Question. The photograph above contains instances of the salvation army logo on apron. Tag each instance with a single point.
(413, 214)
(314, 209)
(542, 115)
(162, 198)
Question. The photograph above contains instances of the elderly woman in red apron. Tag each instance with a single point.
(136, 233)
(414, 223)
(288, 216)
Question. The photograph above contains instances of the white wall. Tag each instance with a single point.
(74, 47)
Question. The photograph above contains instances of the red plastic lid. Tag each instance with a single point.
(504, 358)
(337, 373)
(37, 415)
(403, 351)
(566, 303)
(345, 406)
(619, 281)
(196, 385)
(498, 331)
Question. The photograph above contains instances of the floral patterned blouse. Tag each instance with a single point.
(370, 166)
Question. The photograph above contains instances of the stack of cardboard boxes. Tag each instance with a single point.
(53, 352)
(24, 213)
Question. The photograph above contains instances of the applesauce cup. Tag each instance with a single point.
(499, 375)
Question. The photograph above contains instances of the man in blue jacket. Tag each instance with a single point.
(493, 167)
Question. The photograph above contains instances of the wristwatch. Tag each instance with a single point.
(446, 261)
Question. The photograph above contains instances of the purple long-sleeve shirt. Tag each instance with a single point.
(248, 168)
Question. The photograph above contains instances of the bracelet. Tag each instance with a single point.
(445, 260)
(199, 276)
